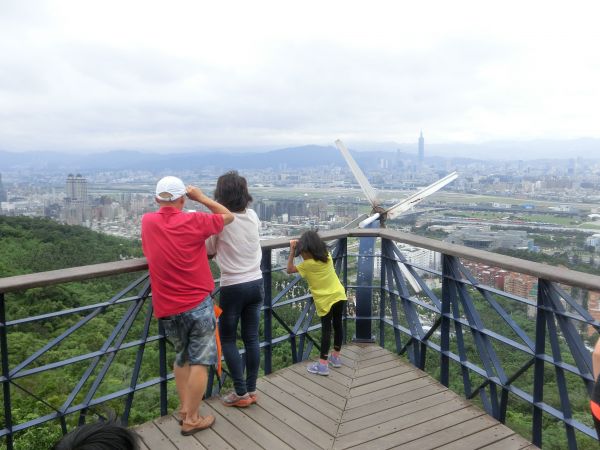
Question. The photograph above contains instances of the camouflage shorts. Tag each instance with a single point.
(192, 333)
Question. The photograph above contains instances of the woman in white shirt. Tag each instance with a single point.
(238, 254)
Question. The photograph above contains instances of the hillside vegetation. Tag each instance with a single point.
(30, 245)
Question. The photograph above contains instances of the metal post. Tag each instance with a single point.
(267, 326)
(162, 369)
(6, 374)
(503, 405)
(344, 249)
(445, 338)
(210, 381)
(364, 289)
(384, 264)
(295, 350)
(63, 425)
(538, 374)
(137, 367)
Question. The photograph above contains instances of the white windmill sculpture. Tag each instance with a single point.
(394, 211)
(367, 245)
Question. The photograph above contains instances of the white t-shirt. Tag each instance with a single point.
(237, 249)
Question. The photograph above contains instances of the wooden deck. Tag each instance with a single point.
(374, 401)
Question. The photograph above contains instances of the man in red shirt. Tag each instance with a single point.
(173, 243)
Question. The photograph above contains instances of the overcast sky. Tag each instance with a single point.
(177, 75)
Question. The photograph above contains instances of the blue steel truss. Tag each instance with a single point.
(457, 317)
(456, 330)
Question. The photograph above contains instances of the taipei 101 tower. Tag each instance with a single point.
(421, 148)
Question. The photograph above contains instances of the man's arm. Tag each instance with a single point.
(197, 195)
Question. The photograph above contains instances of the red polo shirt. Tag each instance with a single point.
(173, 243)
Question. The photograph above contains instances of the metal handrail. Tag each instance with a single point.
(535, 269)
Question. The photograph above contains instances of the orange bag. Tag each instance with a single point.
(218, 312)
(595, 409)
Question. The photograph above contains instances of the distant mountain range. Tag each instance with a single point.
(305, 156)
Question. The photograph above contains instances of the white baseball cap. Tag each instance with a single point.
(169, 189)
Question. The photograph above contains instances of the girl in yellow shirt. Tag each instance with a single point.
(327, 292)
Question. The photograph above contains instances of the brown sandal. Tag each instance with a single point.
(202, 424)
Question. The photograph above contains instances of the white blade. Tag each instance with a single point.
(369, 220)
(409, 277)
(411, 201)
(355, 223)
(358, 174)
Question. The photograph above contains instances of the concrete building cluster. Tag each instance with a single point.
(421, 257)
(296, 211)
(272, 209)
(593, 241)
(415, 256)
(488, 275)
(518, 284)
(482, 237)
(522, 285)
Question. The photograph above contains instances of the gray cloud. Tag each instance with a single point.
(161, 88)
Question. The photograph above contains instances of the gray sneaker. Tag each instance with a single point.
(241, 401)
(335, 361)
(318, 368)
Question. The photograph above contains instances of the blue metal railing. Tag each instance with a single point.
(457, 331)
(555, 343)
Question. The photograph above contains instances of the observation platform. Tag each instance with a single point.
(376, 400)
(511, 352)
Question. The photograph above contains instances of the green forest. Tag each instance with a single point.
(33, 245)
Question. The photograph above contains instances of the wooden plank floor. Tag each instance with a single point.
(374, 401)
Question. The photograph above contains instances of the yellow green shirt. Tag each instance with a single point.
(323, 282)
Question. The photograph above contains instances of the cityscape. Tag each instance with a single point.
(535, 207)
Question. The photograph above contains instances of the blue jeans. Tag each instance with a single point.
(241, 301)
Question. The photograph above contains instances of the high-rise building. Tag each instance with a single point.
(421, 148)
(76, 188)
(76, 205)
(3, 193)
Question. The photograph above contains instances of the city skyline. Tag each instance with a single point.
(88, 78)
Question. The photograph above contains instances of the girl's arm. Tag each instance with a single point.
(291, 268)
